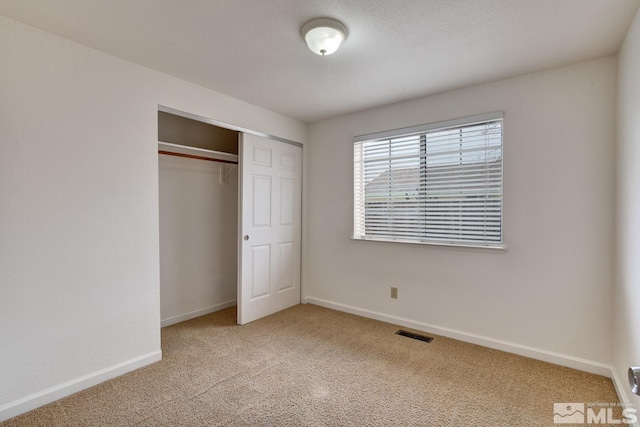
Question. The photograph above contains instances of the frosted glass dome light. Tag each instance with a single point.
(323, 36)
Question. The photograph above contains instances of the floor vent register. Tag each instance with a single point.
(414, 336)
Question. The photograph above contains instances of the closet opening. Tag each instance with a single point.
(198, 197)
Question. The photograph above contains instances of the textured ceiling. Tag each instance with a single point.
(396, 49)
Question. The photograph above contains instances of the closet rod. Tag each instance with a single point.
(191, 156)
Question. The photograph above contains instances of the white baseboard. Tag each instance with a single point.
(52, 394)
(621, 391)
(522, 350)
(581, 364)
(197, 313)
(26, 404)
(621, 387)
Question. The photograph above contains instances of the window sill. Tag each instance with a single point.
(462, 247)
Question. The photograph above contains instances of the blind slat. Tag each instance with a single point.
(440, 185)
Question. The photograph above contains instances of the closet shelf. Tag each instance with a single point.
(178, 150)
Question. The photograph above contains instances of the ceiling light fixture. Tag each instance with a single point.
(323, 35)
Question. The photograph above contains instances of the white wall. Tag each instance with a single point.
(626, 328)
(79, 252)
(198, 238)
(552, 291)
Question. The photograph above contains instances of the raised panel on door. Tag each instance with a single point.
(287, 201)
(270, 227)
(261, 156)
(286, 272)
(260, 271)
(287, 161)
(261, 206)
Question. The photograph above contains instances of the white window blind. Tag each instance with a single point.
(437, 183)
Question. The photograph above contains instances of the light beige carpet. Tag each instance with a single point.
(310, 366)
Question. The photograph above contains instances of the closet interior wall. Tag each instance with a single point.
(198, 222)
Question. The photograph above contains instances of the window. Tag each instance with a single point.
(438, 183)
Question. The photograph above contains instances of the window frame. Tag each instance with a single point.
(424, 128)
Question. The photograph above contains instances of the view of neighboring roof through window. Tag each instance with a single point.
(438, 183)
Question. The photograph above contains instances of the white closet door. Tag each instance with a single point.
(270, 227)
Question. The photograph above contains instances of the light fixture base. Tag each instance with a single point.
(324, 35)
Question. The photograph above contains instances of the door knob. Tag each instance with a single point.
(634, 379)
(246, 237)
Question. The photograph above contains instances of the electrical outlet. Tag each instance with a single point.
(394, 292)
